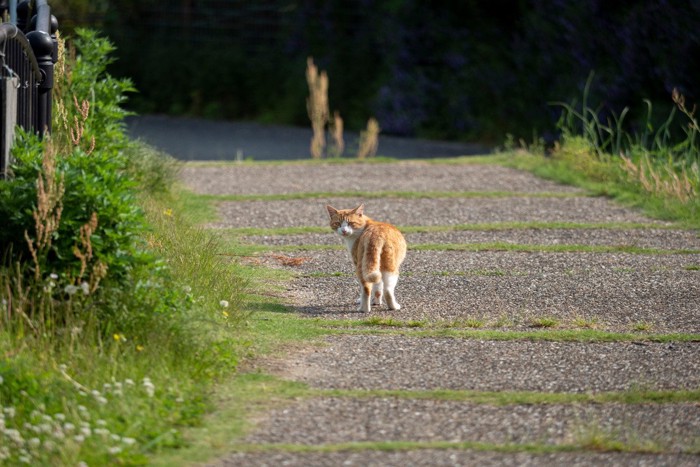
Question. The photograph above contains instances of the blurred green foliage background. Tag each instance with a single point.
(469, 70)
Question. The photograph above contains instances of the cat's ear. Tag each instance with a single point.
(331, 210)
(359, 210)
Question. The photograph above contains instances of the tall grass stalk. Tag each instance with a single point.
(317, 107)
(369, 140)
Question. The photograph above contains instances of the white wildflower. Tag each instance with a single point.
(223, 303)
(129, 382)
(101, 422)
(60, 417)
(116, 438)
(85, 288)
(102, 431)
(128, 441)
(9, 412)
(114, 450)
(79, 438)
(53, 276)
(70, 289)
(25, 459)
(149, 387)
(68, 426)
(14, 435)
(101, 400)
(34, 442)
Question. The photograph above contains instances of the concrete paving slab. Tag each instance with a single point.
(615, 292)
(318, 421)
(425, 211)
(408, 176)
(428, 363)
(453, 458)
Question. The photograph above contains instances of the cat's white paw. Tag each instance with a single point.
(364, 308)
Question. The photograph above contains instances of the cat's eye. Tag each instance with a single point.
(335, 225)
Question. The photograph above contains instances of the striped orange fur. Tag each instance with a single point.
(377, 250)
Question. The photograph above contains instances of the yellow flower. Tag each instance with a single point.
(119, 337)
(168, 212)
(139, 348)
(225, 313)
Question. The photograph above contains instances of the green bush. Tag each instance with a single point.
(115, 314)
(85, 163)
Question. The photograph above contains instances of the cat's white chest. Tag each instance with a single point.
(349, 242)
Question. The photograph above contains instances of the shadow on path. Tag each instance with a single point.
(200, 139)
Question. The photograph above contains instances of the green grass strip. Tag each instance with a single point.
(249, 250)
(549, 335)
(558, 248)
(516, 397)
(479, 227)
(393, 446)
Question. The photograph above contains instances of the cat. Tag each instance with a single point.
(377, 250)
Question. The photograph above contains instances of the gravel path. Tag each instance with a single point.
(499, 290)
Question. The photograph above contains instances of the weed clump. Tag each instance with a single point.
(317, 108)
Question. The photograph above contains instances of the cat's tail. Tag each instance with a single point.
(371, 261)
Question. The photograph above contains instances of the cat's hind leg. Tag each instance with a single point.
(390, 279)
(365, 290)
(377, 292)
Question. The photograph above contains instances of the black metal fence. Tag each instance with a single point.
(28, 51)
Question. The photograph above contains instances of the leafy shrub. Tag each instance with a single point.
(85, 163)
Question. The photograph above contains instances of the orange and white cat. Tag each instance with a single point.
(377, 249)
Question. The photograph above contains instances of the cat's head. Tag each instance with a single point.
(347, 222)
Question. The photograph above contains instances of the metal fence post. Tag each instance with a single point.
(44, 25)
(42, 45)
